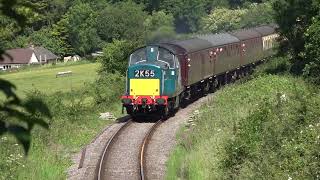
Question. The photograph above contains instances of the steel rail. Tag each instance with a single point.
(101, 164)
(143, 149)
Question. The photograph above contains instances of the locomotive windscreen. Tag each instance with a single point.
(164, 57)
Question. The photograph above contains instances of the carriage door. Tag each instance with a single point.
(243, 53)
(178, 74)
(213, 60)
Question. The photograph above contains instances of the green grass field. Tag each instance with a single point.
(44, 79)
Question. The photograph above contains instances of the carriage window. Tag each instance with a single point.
(138, 57)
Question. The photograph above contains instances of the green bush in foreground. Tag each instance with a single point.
(266, 128)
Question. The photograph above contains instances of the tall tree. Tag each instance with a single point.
(293, 18)
(312, 55)
(258, 14)
(187, 13)
(223, 19)
(123, 20)
(159, 26)
(81, 22)
(115, 56)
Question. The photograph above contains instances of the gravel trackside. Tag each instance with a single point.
(164, 140)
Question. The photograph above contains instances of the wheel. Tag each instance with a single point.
(164, 112)
(129, 110)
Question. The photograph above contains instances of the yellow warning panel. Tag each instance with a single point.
(144, 87)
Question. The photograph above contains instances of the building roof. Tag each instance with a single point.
(219, 39)
(16, 56)
(44, 54)
(23, 55)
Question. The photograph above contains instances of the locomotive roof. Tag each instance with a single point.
(193, 45)
(245, 34)
(219, 39)
(265, 30)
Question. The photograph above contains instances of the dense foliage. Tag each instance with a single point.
(82, 27)
(224, 19)
(312, 56)
(294, 17)
(115, 56)
(124, 20)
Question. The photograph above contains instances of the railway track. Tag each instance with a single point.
(107, 167)
(144, 146)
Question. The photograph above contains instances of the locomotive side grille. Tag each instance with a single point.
(144, 87)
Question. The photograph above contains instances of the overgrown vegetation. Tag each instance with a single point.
(264, 128)
(298, 27)
(312, 55)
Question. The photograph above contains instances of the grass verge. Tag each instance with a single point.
(265, 128)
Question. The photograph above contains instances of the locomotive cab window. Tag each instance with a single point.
(138, 56)
(164, 58)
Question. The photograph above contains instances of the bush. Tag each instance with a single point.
(108, 88)
(277, 140)
(277, 65)
(115, 56)
(63, 105)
